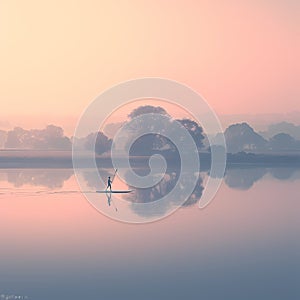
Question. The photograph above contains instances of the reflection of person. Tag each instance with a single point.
(108, 195)
(109, 183)
(110, 200)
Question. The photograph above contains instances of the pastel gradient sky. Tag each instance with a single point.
(57, 56)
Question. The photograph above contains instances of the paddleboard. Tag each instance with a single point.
(114, 192)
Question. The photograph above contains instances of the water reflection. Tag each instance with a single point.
(285, 173)
(110, 201)
(143, 195)
(163, 188)
(92, 178)
(64, 250)
(50, 178)
(238, 177)
(243, 178)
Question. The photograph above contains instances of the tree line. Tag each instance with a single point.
(239, 138)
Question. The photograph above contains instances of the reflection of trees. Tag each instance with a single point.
(39, 177)
(282, 173)
(236, 178)
(92, 179)
(146, 195)
(243, 178)
(161, 189)
(151, 194)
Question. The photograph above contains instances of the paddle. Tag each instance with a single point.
(112, 182)
(114, 175)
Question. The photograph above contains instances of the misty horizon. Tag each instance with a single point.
(259, 121)
(278, 137)
(149, 150)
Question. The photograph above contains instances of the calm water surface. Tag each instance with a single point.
(244, 245)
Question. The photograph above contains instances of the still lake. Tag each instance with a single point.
(244, 245)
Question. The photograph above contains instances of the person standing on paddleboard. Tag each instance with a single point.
(109, 182)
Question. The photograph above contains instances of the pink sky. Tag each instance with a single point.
(57, 56)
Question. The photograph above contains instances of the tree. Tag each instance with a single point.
(14, 138)
(242, 137)
(98, 142)
(282, 142)
(3, 137)
(50, 138)
(151, 143)
(147, 109)
(195, 130)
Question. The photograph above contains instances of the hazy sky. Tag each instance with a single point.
(57, 56)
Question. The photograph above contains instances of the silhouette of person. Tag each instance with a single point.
(109, 183)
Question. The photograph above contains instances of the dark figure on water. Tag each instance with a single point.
(108, 183)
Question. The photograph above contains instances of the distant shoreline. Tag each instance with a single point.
(63, 159)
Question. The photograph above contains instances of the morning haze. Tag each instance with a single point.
(64, 228)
